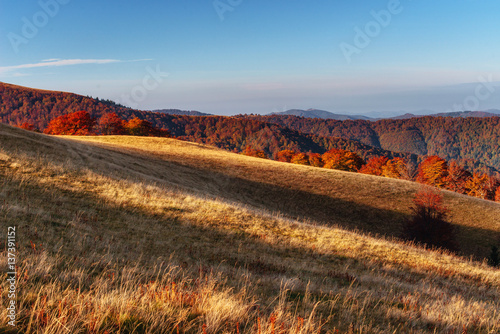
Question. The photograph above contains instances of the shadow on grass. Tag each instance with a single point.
(289, 202)
(191, 178)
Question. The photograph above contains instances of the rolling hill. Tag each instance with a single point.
(22, 104)
(128, 234)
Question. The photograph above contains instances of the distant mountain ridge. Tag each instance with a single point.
(323, 114)
(463, 114)
(181, 112)
(317, 113)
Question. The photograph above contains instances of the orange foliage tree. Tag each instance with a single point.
(285, 155)
(433, 171)
(112, 124)
(429, 223)
(27, 126)
(139, 127)
(254, 153)
(300, 159)
(79, 123)
(477, 185)
(342, 159)
(374, 166)
(315, 160)
(497, 195)
(396, 168)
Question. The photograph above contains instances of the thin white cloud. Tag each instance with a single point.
(17, 75)
(64, 62)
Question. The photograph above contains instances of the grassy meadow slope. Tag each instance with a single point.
(329, 197)
(149, 235)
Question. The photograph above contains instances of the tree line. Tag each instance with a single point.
(432, 170)
(81, 123)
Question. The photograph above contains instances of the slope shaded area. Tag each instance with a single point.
(355, 201)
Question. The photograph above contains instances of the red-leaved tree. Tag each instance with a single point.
(112, 124)
(285, 155)
(315, 160)
(27, 126)
(79, 123)
(374, 166)
(457, 178)
(251, 152)
(342, 159)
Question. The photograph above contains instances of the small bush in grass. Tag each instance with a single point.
(254, 153)
(494, 258)
(429, 223)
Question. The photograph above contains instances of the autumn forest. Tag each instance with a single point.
(445, 152)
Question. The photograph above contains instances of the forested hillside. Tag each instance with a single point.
(20, 105)
(38, 107)
(472, 141)
(236, 134)
(462, 139)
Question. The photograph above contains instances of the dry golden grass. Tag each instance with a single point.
(147, 235)
(355, 201)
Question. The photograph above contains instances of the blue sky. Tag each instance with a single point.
(241, 56)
